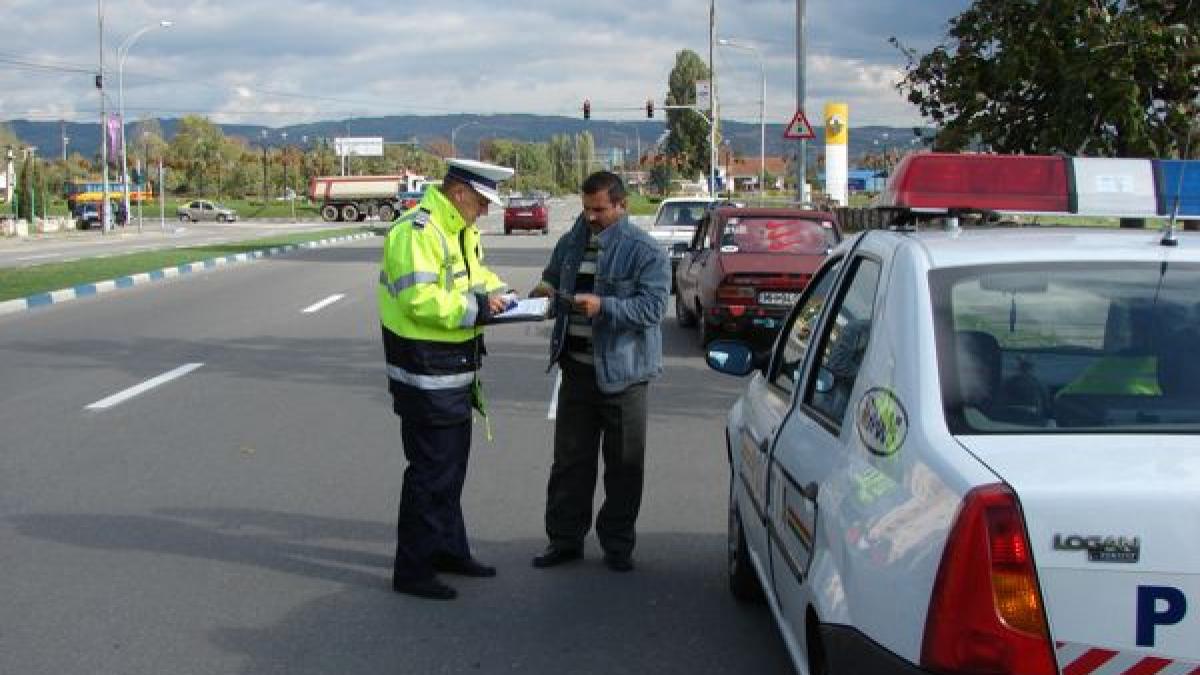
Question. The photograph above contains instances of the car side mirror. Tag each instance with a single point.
(731, 357)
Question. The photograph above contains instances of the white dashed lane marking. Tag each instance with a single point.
(122, 396)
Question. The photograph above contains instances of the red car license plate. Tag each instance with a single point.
(778, 298)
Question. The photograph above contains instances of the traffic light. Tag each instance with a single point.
(650, 108)
(587, 109)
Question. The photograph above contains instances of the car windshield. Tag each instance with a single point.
(680, 214)
(523, 203)
(1067, 348)
(777, 235)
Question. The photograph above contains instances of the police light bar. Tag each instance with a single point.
(936, 182)
(940, 182)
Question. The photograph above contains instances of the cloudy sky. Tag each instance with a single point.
(280, 63)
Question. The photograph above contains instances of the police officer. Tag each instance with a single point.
(434, 293)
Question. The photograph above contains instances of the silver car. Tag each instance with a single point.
(202, 209)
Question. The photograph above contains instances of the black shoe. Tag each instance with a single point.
(465, 567)
(429, 588)
(554, 555)
(618, 563)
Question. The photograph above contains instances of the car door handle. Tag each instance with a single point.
(810, 491)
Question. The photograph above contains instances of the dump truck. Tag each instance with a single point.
(352, 198)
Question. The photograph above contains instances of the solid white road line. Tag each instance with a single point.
(39, 257)
(553, 411)
(120, 397)
(324, 303)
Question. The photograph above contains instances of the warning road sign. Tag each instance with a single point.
(799, 128)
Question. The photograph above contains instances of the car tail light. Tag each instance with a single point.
(735, 290)
(986, 613)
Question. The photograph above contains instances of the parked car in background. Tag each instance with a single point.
(526, 213)
(203, 209)
(745, 267)
(675, 224)
(86, 215)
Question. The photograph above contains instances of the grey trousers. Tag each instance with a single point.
(590, 422)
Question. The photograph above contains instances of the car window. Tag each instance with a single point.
(777, 235)
(522, 203)
(794, 343)
(1061, 348)
(206, 206)
(844, 343)
(680, 214)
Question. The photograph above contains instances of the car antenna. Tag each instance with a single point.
(1169, 236)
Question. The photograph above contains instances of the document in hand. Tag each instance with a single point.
(529, 309)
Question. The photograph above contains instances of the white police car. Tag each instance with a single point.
(977, 450)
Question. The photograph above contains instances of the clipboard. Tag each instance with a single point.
(526, 309)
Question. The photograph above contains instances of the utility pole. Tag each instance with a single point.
(801, 51)
(62, 133)
(712, 99)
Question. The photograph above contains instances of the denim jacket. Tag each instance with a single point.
(632, 278)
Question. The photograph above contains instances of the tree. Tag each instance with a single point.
(193, 153)
(1082, 77)
(687, 143)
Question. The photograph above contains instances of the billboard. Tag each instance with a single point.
(367, 146)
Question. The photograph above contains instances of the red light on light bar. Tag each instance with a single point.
(944, 181)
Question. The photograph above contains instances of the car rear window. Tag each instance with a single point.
(1062, 348)
(777, 235)
(523, 203)
(681, 214)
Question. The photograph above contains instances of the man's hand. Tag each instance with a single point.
(588, 303)
(542, 290)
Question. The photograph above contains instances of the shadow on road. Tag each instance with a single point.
(672, 615)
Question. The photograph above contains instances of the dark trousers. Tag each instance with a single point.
(430, 522)
(588, 420)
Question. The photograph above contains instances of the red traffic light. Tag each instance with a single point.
(587, 109)
(649, 108)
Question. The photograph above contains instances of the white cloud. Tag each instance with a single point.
(255, 61)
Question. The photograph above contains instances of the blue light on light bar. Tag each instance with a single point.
(1178, 178)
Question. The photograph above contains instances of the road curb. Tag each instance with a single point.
(96, 288)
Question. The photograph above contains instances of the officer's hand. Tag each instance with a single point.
(542, 290)
(497, 303)
(588, 303)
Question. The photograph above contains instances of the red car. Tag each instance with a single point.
(526, 213)
(745, 268)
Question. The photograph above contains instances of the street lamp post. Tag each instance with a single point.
(122, 52)
(762, 112)
(454, 134)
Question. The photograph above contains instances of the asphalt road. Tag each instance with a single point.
(240, 517)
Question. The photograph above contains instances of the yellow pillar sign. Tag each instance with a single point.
(837, 124)
(837, 148)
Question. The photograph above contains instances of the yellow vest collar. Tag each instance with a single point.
(444, 212)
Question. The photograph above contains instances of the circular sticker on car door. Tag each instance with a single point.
(882, 422)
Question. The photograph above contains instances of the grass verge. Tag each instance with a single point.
(20, 282)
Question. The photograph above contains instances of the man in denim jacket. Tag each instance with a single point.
(611, 281)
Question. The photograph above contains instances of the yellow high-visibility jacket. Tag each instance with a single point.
(431, 271)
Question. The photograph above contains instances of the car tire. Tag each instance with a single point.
(349, 213)
(707, 332)
(183, 217)
(507, 230)
(683, 316)
(221, 217)
(743, 581)
(545, 230)
(330, 213)
(386, 214)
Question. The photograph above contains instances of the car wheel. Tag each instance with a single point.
(507, 230)
(183, 217)
(707, 332)
(545, 230)
(329, 213)
(743, 581)
(221, 217)
(386, 213)
(683, 316)
(349, 213)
